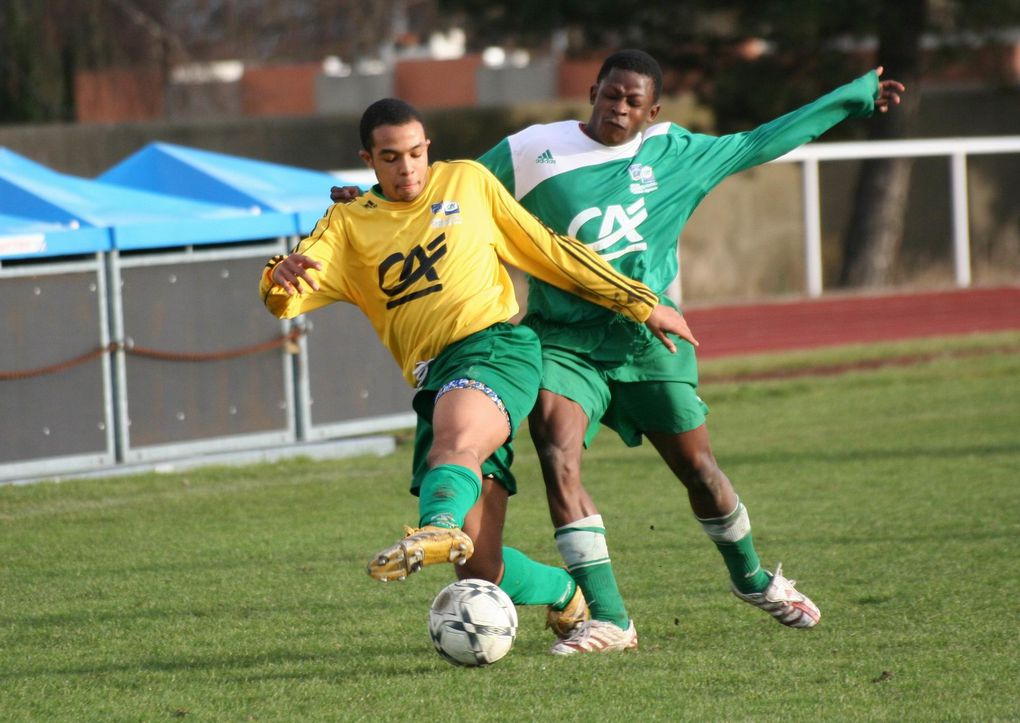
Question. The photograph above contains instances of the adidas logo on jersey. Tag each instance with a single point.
(545, 157)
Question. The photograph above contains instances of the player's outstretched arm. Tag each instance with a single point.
(888, 92)
(667, 320)
(292, 274)
(735, 152)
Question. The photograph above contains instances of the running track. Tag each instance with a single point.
(732, 330)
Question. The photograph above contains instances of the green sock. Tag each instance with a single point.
(446, 494)
(732, 536)
(531, 583)
(582, 544)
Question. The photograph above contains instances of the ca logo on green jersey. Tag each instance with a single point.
(418, 264)
(617, 231)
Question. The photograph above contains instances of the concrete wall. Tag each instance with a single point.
(204, 101)
(348, 95)
(506, 85)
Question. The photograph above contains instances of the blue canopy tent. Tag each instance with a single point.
(221, 178)
(136, 219)
(31, 238)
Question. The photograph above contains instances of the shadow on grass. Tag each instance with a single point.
(84, 617)
(382, 660)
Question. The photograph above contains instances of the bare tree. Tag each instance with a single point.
(872, 242)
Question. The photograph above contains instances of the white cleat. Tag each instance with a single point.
(782, 601)
(597, 636)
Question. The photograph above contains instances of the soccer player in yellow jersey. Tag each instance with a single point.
(420, 255)
(626, 184)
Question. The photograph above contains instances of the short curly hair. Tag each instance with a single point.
(638, 61)
(386, 112)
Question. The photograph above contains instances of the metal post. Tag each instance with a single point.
(122, 417)
(812, 228)
(107, 361)
(961, 230)
(296, 372)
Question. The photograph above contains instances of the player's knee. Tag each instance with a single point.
(461, 455)
(699, 469)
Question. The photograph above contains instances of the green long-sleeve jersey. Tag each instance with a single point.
(630, 202)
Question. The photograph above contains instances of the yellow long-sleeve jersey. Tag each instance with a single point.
(427, 272)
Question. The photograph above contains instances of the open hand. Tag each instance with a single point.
(667, 320)
(888, 92)
(293, 271)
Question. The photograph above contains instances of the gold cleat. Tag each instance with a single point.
(419, 548)
(575, 613)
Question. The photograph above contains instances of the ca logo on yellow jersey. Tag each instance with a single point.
(417, 265)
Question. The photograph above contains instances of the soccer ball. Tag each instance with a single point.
(472, 623)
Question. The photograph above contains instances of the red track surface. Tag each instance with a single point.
(733, 330)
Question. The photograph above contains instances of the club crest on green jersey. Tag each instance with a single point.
(643, 178)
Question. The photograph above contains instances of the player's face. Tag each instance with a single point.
(400, 160)
(621, 106)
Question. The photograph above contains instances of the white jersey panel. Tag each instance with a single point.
(541, 152)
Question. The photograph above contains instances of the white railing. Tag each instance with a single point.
(809, 156)
(956, 149)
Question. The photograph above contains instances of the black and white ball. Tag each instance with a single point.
(472, 623)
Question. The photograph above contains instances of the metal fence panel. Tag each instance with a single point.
(351, 375)
(196, 366)
(54, 393)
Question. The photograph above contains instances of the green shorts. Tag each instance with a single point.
(622, 376)
(505, 358)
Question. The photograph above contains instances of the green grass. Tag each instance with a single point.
(236, 594)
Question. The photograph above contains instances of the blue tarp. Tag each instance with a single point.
(136, 219)
(232, 180)
(26, 238)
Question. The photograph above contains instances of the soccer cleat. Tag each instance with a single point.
(574, 613)
(782, 601)
(420, 547)
(597, 636)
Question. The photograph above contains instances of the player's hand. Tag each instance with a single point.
(344, 194)
(888, 92)
(292, 274)
(667, 320)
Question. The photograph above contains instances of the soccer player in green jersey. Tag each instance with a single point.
(422, 255)
(626, 186)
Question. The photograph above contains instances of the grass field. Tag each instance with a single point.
(237, 594)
